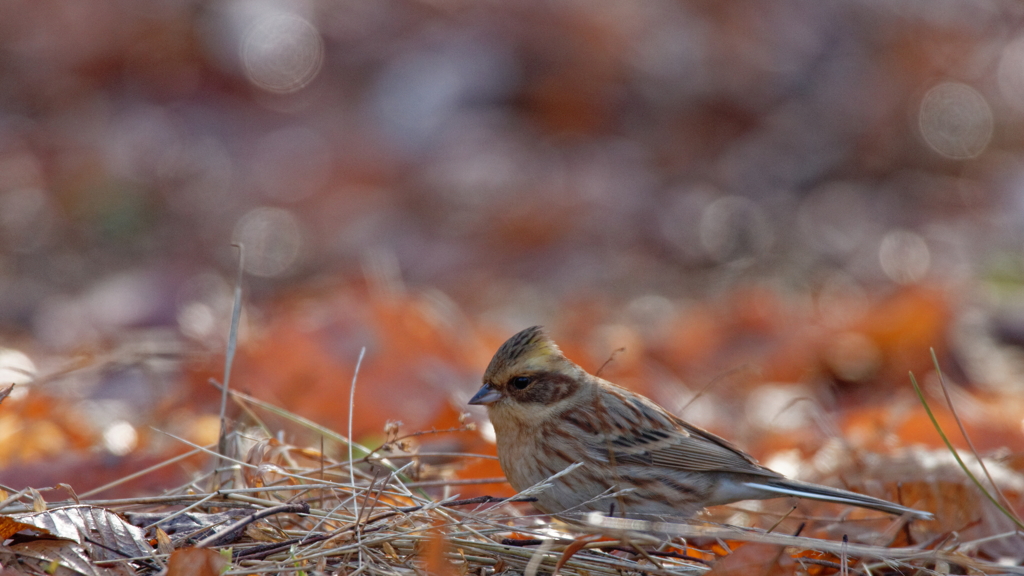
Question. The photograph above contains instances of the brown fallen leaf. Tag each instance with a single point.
(86, 525)
(195, 562)
(754, 558)
(56, 557)
(9, 527)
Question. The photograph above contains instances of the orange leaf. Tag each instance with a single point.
(195, 562)
(754, 558)
(435, 555)
(9, 527)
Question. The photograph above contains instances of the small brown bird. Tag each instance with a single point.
(549, 413)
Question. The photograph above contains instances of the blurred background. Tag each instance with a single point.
(774, 209)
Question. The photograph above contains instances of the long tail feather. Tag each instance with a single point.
(816, 492)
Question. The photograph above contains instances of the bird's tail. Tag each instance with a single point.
(788, 487)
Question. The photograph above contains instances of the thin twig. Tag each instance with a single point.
(140, 473)
(463, 428)
(229, 354)
(843, 568)
(711, 383)
(611, 358)
(780, 520)
(184, 510)
(232, 531)
(351, 468)
(471, 482)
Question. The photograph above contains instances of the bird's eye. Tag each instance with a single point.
(521, 382)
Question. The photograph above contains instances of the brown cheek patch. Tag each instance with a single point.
(548, 388)
(581, 420)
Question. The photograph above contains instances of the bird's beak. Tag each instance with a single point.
(486, 395)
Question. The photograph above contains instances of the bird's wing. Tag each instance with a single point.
(697, 450)
(661, 439)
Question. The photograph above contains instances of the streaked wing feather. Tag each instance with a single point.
(679, 446)
(695, 454)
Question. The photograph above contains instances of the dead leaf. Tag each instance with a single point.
(87, 524)
(38, 503)
(752, 558)
(9, 527)
(435, 553)
(262, 532)
(71, 491)
(570, 550)
(163, 542)
(195, 562)
(55, 557)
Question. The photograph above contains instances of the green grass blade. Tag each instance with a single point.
(952, 450)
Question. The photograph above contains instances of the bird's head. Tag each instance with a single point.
(529, 371)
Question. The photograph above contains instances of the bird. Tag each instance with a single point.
(634, 459)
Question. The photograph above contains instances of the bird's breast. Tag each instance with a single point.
(532, 453)
(518, 451)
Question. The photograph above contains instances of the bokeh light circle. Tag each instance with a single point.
(272, 238)
(120, 438)
(904, 256)
(955, 120)
(282, 53)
